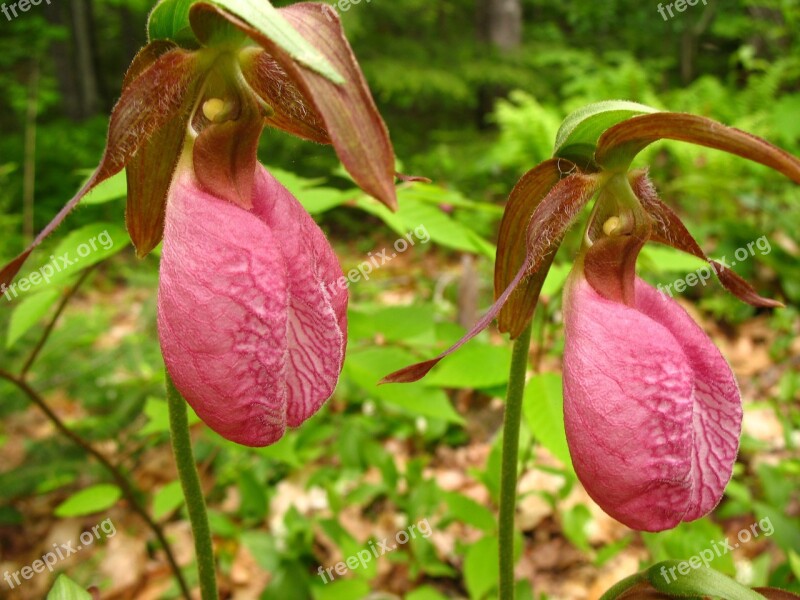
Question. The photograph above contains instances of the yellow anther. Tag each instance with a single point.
(213, 107)
(610, 226)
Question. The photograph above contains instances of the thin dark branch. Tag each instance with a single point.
(50, 326)
(128, 490)
(122, 481)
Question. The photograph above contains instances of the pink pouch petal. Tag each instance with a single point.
(651, 409)
(223, 314)
(317, 323)
(251, 321)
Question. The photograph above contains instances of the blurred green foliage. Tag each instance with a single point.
(428, 73)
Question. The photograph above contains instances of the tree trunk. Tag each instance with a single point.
(500, 23)
(499, 26)
(690, 41)
(86, 72)
(60, 54)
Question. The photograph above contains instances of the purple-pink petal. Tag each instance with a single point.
(251, 322)
(651, 408)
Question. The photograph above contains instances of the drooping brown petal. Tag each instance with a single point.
(225, 154)
(642, 591)
(147, 103)
(511, 244)
(293, 113)
(668, 229)
(348, 111)
(149, 175)
(551, 218)
(621, 143)
(145, 58)
(776, 594)
(402, 177)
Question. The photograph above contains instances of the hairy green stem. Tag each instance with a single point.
(192, 491)
(508, 481)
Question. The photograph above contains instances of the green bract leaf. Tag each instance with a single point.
(169, 20)
(344, 107)
(577, 137)
(91, 500)
(270, 23)
(682, 578)
(66, 589)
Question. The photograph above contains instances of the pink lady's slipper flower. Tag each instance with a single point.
(651, 408)
(251, 320)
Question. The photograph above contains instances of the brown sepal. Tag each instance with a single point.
(620, 144)
(512, 244)
(348, 111)
(149, 101)
(292, 112)
(551, 218)
(668, 229)
(776, 594)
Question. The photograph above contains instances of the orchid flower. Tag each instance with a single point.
(652, 410)
(251, 322)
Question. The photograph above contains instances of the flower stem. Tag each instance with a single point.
(508, 481)
(192, 492)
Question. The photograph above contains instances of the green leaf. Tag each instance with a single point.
(425, 592)
(575, 524)
(690, 539)
(409, 324)
(431, 221)
(556, 277)
(81, 249)
(679, 578)
(663, 259)
(365, 368)
(29, 312)
(543, 406)
(481, 569)
(167, 499)
(263, 548)
(157, 413)
(89, 501)
(794, 563)
(477, 365)
(254, 502)
(577, 138)
(264, 17)
(169, 20)
(66, 589)
(342, 589)
(112, 188)
(469, 511)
